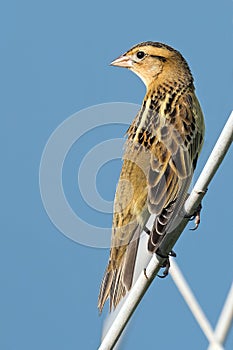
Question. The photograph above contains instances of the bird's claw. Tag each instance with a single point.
(197, 221)
(197, 216)
(166, 263)
(145, 274)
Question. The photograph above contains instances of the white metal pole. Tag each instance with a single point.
(216, 157)
(225, 320)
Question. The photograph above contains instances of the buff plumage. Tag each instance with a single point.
(161, 152)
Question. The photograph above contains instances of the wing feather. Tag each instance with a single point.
(180, 148)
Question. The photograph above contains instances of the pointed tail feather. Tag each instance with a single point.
(105, 288)
(117, 281)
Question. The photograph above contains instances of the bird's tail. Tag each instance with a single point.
(118, 279)
(111, 287)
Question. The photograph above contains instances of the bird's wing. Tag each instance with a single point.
(174, 154)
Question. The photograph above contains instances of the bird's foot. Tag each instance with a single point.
(195, 216)
(166, 263)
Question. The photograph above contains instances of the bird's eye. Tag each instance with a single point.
(140, 54)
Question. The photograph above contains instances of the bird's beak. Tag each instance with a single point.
(122, 61)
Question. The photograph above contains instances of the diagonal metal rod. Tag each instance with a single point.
(145, 279)
(225, 320)
(194, 306)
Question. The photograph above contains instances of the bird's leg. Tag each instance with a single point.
(197, 216)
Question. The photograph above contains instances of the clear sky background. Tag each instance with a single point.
(54, 62)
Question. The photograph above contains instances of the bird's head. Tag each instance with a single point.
(154, 61)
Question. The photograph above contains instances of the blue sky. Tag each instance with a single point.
(54, 63)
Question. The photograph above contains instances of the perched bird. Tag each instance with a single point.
(161, 152)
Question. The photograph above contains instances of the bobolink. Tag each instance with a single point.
(161, 152)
